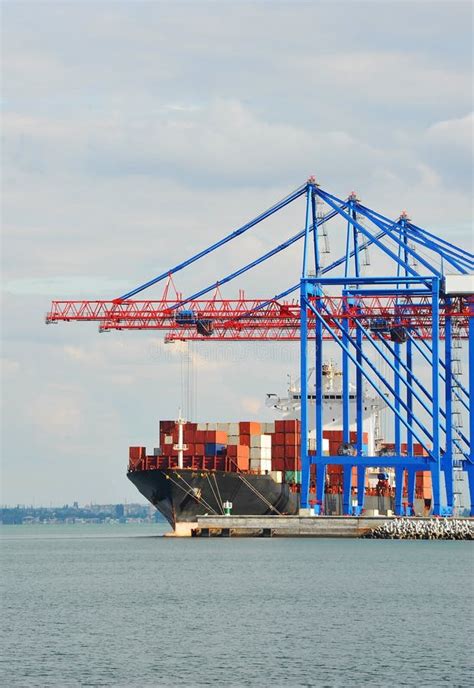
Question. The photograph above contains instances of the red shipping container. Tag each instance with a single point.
(250, 428)
(200, 436)
(168, 450)
(136, 452)
(278, 438)
(238, 456)
(189, 451)
(216, 437)
(199, 449)
(278, 452)
(338, 468)
(245, 440)
(353, 436)
(291, 452)
(333, 435)
(278, 464)
(280, 426)
(292, 438)
(292, 426)
(292, 464)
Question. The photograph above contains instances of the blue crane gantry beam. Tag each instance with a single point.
(437, 439)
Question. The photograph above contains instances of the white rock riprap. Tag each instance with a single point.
(432, 529)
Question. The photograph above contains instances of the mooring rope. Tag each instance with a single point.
(193, 495)
(219, 504)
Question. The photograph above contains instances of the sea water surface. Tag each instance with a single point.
(117, 605)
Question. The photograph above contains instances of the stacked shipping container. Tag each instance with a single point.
(249, 446)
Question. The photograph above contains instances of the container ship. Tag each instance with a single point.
(254, 468)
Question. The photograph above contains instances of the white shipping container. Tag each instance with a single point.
(224, 427)
(277, 476)
(233, 439)
(459, 284)
(261, 466)
(211, 426)
(261, 441)
(312, 444)
(202, 426)
(261, 453)
(234, 429)
(268, 428)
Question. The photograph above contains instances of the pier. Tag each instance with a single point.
(331, 527)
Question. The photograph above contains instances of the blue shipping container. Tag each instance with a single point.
(214, 449)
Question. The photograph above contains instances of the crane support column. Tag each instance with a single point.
(447, 459)
(305, 466)
(436, 451)
(470, 463)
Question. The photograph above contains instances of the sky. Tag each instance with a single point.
(136, 133)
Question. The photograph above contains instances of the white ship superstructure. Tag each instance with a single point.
(290, 406)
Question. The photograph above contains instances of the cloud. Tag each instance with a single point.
(10, 367)
(457, 132)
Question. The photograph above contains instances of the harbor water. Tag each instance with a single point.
(118, 605)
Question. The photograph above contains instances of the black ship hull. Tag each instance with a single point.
(183, 494)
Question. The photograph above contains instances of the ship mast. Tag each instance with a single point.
(180, 447)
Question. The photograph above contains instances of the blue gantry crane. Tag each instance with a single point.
(398, 331)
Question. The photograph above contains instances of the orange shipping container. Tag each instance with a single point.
(243, 458)
(250, 428)
(216, 436)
